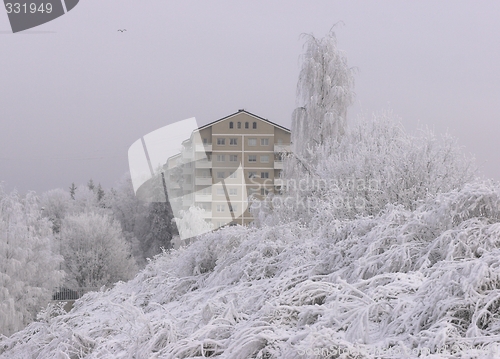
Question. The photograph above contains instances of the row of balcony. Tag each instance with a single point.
(278, 165)
(207, 181)
(188, 153)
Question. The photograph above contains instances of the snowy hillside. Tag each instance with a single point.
(404, 281)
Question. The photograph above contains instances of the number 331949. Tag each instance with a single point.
(32, 8)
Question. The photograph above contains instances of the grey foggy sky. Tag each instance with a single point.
(75, 93)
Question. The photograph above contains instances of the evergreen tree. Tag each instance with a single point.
(99, 193)
(72, 190)
(91, 185)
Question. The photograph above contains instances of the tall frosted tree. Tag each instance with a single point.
(29, 268)
(324, 92)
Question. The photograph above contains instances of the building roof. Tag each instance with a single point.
(248, 113)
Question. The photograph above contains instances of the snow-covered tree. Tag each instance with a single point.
(324, 92)
(29, 268)
(86, 201)
(374, 164)
(55, 205)
(95, 250)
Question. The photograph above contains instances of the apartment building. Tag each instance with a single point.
(227, 161)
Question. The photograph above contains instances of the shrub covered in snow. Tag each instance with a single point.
(375, 163)
(95, 251)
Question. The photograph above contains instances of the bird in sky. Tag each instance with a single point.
(122, 30)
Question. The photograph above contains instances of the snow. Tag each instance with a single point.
(413, 281)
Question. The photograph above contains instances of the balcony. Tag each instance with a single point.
(204, 164)
(203, 181)
(207, 214)
(207, 147)
(203, 198)
(187, 154)
(282, 148)
(278, 165)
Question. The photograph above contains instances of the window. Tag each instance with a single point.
(220, 191)
(264, 159)
(233, 141)
(252, 158)
(254, 125)
(252, 142)
(264, 175)
(233, 191)
(233, 158)
(205, 141)
(246, 124)
(220, 208)
(220, 174)
(233, 208)
(239, 124)
(221, 158)
(263, 191)
(252, 190)
(264, 141)
(233, 175)
(231, 124)
(221, 141)
(252, 174)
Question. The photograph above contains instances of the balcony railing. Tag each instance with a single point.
(204, 164)
(207, 214)
(203, 181)
(282, 148)
(278, 165)
(187, 154)
(207, 147)
(203, 197)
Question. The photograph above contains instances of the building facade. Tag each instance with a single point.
(226, 162)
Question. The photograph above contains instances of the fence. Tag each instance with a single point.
(71, 294)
